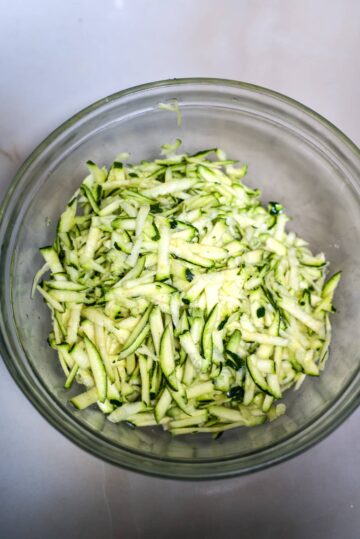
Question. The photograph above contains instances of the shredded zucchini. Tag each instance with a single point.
(177, 299)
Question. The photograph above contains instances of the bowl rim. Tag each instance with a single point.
(6, 353)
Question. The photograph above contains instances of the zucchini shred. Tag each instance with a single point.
(178, 300)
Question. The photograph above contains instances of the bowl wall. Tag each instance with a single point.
(294, 157)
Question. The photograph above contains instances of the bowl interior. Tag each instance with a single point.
(292, 158)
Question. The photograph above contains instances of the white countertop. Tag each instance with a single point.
(57, 57)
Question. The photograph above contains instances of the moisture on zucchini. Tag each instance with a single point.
(178, 299)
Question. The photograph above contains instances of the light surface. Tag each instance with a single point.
(57, 60)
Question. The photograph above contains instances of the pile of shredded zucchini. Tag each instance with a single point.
(178, 299)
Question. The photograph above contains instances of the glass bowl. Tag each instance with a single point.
(294, 156)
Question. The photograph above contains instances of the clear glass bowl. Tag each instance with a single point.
(294, 156)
